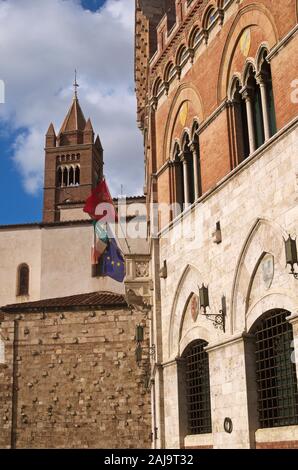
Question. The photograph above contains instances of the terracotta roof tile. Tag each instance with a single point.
(74, 302)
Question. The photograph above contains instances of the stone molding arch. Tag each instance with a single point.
(185, 92)
(192, 334)
(231, 88)
(265, 236)
(251, 15)
(272, 301)
(188, 284)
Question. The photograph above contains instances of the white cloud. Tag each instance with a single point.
(41, 43)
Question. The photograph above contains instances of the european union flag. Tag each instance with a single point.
(112, 262)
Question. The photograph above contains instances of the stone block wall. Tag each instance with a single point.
(70, 380)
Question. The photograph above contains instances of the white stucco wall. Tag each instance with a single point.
(18, 246)
(59, 259)
(66, 263)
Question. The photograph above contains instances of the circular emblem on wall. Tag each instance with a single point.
(183, 113)
(245, 42)
(194, 306)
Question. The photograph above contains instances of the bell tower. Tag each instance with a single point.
(73, 165)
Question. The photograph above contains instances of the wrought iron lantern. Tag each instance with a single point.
(291, 254)
(218, 319)
(204, 298)
(139, 337)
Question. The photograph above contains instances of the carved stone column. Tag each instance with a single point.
(185, 179)
(196, 168)
(248, 97)
(261, 80)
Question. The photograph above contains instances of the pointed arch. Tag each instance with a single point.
(192, 38)
(169, 71)
(181, 54)
(195, 129)
(209, 15)
(250, 15)
(156, 87)
(71, 178)
(77, 175)
(265, 236)
(187, 285)
(234, 82)
(186, 92)
(249, 68)
(262, 52)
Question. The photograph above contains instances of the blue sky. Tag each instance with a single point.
(92, 5)
(38, 79)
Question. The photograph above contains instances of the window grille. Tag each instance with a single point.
(276, 372)
(198, 389)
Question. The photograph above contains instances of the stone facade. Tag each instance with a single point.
(70, 379)
(231, 236)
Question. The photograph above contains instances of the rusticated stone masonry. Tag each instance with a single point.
(70, 380)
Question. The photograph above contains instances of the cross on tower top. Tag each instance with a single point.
(76, 86)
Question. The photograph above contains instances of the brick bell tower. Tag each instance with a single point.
(73, 165)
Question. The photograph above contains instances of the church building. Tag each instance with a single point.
(69, 375)
(216, 85)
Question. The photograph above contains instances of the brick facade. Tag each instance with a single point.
(74, 146)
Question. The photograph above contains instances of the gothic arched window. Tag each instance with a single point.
(77, 175)
(65, 177)
(275, 371)
(210, 17)
(71, 176)
(266, 81)
(241, 127)
(256, 100)
(23, 280)
(197, 388)
(59, 177)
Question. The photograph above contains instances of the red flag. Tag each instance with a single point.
(100, 204)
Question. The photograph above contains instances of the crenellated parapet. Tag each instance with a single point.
(167, 35)
(148, 15)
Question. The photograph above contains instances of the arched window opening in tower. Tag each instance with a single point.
(65, 177)
(23, 280)
(77, 176)
(71, 177)
(59, 177)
